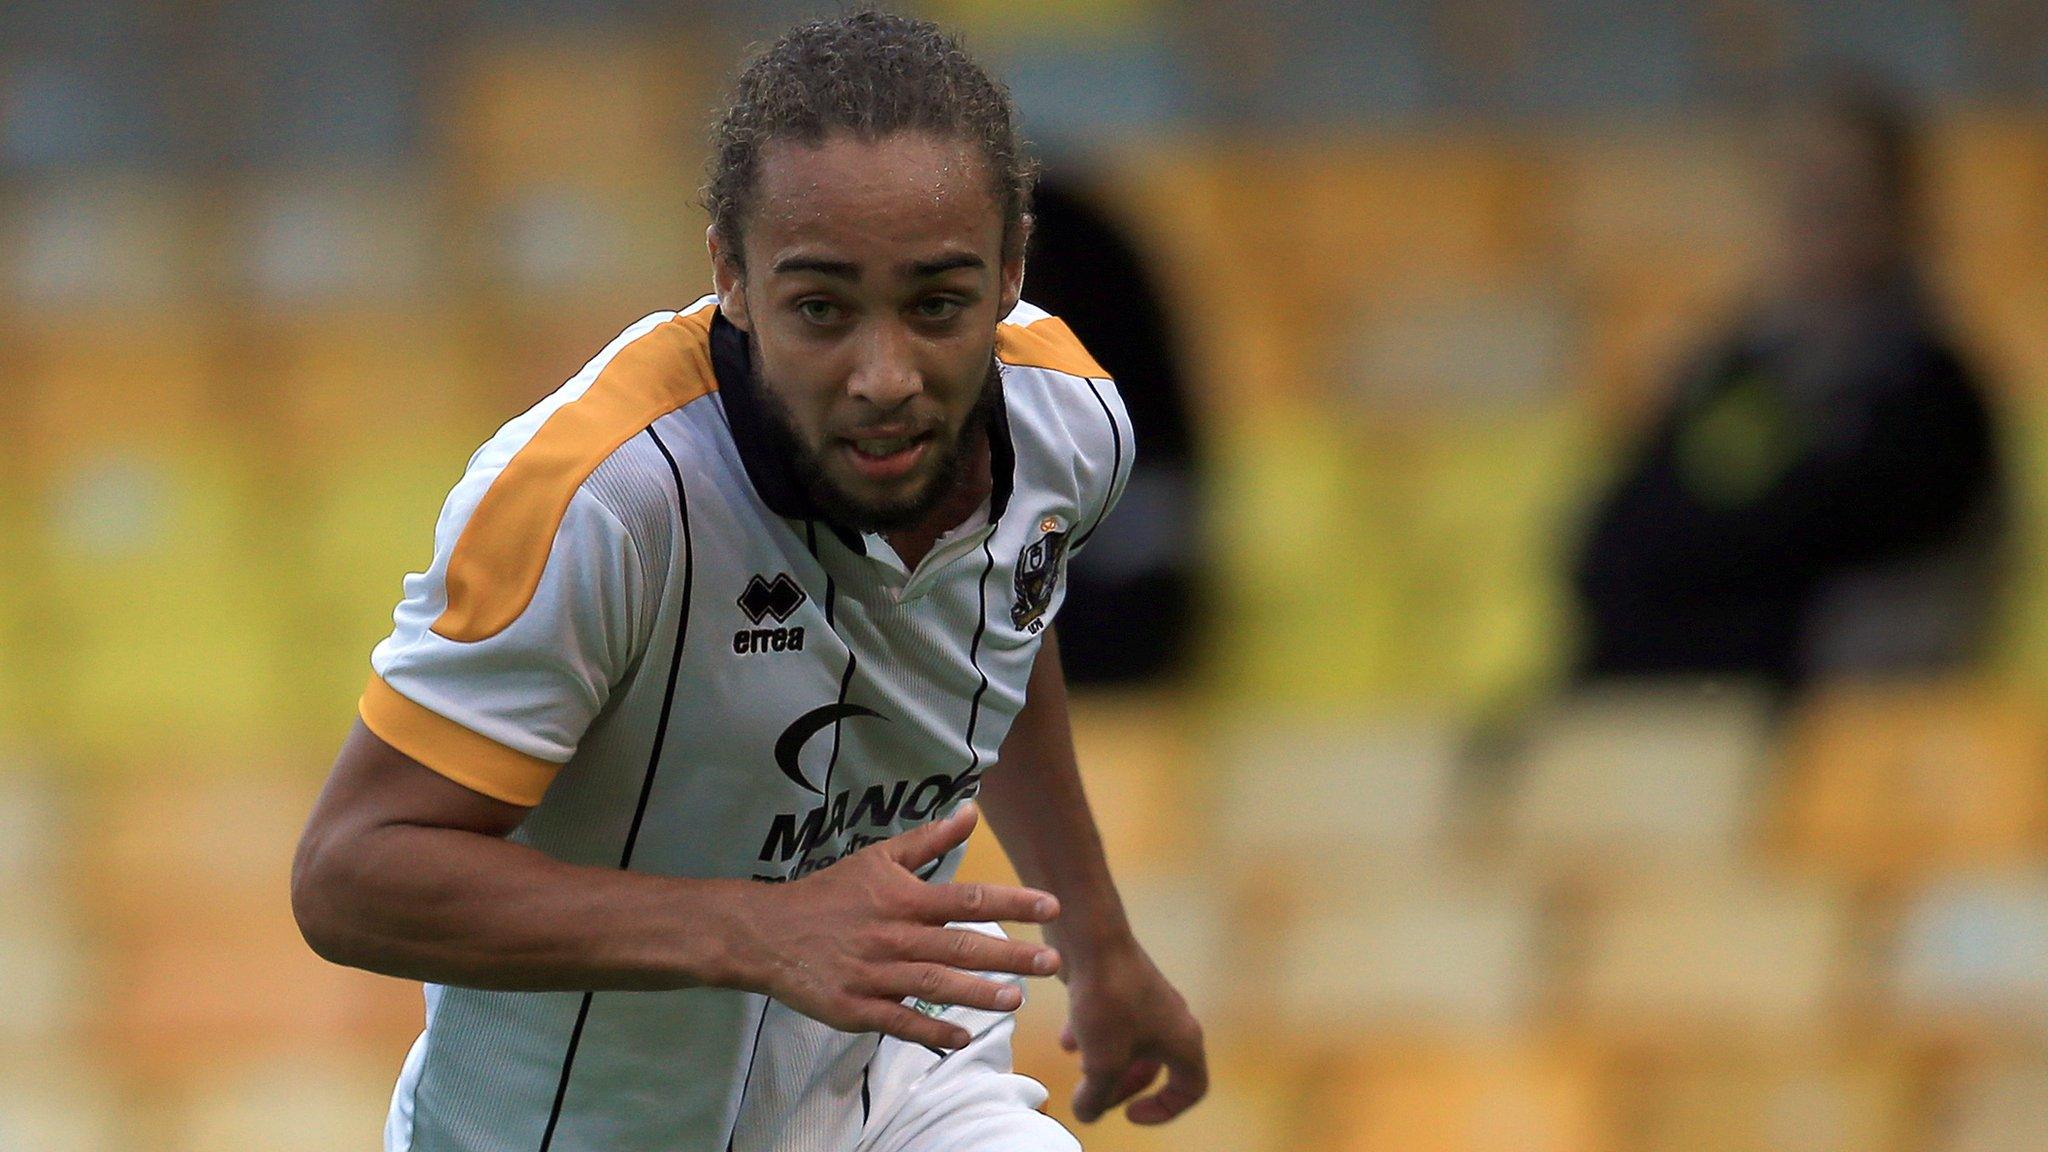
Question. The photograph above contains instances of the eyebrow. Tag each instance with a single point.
(848, 270)
(843, 269)
(946, 264)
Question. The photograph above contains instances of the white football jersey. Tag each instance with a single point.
(636, 623)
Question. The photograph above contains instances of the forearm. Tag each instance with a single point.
(1035, 802)
(457, 907)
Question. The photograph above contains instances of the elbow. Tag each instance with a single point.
(317, 903)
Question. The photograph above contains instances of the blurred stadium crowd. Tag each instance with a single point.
(269, 271)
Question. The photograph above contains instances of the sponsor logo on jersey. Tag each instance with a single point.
(870, 814)
(789, 746)
(763, 598)
(1038, 573)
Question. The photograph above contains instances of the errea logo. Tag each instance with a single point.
(780, 598)
(763, 598)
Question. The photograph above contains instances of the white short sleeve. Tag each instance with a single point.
(499, 713)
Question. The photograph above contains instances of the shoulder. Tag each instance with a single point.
(1050, 378)
(520, 487)
(1031, 337)
(660, 363)
(1048, 374)
(1063, 405)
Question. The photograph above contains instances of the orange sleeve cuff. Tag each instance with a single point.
(475, 762)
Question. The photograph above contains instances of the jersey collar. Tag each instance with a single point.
(770, 469)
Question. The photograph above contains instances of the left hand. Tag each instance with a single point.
(1127, 1022)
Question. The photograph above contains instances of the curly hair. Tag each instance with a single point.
(872, 74)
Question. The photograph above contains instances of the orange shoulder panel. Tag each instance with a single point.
(499, 558)
(1047, 343)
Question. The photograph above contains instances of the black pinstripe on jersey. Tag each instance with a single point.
(675, 666)
(1116, 442)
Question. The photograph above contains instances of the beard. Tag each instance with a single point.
(848, 510)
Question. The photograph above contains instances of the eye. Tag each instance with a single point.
(818, 311)
(937, 308)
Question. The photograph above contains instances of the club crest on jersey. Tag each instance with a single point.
(1038, 572)
(779, 598)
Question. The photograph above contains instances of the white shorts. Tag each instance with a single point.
(915, 1099)
(968, 1100)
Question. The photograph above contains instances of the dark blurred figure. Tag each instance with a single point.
(1130, 615)
(1823, 495)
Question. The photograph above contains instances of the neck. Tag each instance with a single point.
(913, 544)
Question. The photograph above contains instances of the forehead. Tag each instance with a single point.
(905, 193)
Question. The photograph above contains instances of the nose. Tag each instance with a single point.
(885, 373)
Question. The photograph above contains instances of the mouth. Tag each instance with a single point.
(885, 458)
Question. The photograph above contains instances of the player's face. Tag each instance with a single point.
(875, 274)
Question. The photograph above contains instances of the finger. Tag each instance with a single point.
(1139, 1077)
(1092, 1094)
(1068, 1041)
(938, 984)
(972, 951)
(978, 902)
(1187, 1081)
(928, 842)
(891, 1018)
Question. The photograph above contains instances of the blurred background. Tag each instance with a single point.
(1568, 678)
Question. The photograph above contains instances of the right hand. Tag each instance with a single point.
(849, 943)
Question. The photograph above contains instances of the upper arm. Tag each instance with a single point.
(372, 787)
(374, 784)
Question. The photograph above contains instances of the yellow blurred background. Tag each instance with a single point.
(270, 271)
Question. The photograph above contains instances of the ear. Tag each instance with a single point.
(728, 279)
(1013, 265)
